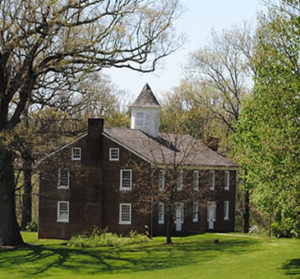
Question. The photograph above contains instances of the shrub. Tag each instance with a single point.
(32, 227)
(100, 238)
(282, 230)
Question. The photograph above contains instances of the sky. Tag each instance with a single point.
(196, 22)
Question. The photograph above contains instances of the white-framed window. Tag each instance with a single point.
(139, 120)
(113, 154)
(125, 214)
(195, 211)
(162, 180)
(212, 180)
(179, 212)
(125, 179)
(227, 180)
(161, 213)
(179, 180)
(196, 180)
(76, 153)
(63, 178)
(63, 211)
(226, 210)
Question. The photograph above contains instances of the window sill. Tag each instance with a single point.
(62, 221)
(124, 223)
(63, 187)
(125, 189)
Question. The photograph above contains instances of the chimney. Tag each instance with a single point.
(212, 143)
(94, 140)
(95, 126)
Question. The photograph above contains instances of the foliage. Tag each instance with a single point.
(262, 258)
(100, 238)
(32, 227)
(267, 141)
(281, 230)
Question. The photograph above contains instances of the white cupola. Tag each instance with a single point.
(145, 112)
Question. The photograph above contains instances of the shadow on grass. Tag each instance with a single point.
(45, 260)
(292, 267)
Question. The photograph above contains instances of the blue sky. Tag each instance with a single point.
(199, 18)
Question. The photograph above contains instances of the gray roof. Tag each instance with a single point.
(168, 148)
(146, 98)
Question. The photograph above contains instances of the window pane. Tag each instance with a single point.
(114, 154)
(63, 212)
(63, 177)
(212, 180)
(76, 153)
(125, 212)
(226, 210)
(161, 213)
(195, 211)
(139, 119)
(227, 179)
(161, 179)
(196, 179)
(126, 178)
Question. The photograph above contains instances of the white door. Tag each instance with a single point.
(211, 214)
(179, 216)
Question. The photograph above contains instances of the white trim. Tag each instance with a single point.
(200, 167)
(121, 222)
(161, 213)
(126, 147)
(121, 180)
(59, 219)
(227, 180)
(212, 180)
(195, 211)
(59, 186)
(63, 147)
(226, 210)
(110, 153)
(76, 158)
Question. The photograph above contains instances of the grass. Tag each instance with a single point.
(190, 257)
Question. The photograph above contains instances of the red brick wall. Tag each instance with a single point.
(84, 193)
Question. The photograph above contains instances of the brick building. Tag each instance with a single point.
(119, 178)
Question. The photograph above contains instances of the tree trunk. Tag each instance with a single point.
(9, 228)
(169, 229)
(27, 194)
(246, 211)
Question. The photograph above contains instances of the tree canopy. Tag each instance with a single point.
(48, 45)
(267, 139)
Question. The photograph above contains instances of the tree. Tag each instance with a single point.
(267, 139)
(47, 128)
(219, 77)
(174, 185)
(51, 46)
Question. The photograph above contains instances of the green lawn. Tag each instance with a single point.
(190, 257)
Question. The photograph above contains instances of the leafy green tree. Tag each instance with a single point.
(50, 45)
(218, 78)
(267, 140)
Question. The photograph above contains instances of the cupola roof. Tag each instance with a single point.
(146, 98)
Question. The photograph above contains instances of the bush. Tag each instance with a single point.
(100, 238)
(32, 227)
(281, 230)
